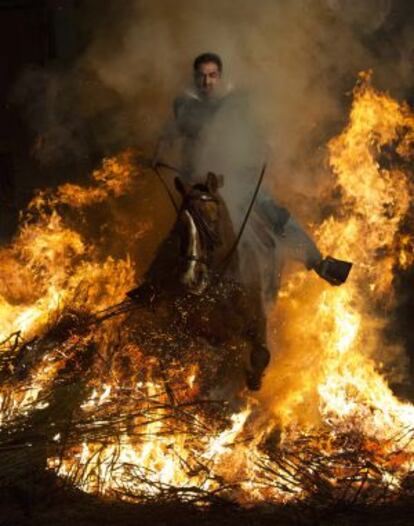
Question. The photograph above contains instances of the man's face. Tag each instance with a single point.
(207, 79)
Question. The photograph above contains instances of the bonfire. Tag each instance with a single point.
(81, 400)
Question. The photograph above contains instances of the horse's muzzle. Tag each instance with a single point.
(196, 277)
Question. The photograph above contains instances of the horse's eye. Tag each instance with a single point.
(212, 211)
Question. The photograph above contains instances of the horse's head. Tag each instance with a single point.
(200, 214)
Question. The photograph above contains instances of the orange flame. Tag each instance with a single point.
(325, 383)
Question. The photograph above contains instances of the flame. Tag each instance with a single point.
(338, 337)
(50, 266)
(326, 400)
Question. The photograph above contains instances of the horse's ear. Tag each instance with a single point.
(181, 186)
(214, 182)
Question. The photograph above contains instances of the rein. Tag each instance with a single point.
(164, 184)
(226, 259)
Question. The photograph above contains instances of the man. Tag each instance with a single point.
(194, 110)
(216, 131)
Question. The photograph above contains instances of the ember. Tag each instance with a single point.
(120, 422)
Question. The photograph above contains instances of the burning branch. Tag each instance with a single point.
(95, 390)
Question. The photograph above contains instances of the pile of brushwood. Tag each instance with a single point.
(45, 381)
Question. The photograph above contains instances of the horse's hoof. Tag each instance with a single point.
(253, 381)
(134, 293)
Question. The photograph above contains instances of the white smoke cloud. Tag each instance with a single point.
(297, 58)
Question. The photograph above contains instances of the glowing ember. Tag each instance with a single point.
(326, 422)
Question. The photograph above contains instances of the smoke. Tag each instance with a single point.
(295, 61)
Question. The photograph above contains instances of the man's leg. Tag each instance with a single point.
(298, 244)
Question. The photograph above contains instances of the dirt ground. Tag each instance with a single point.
(41, 504)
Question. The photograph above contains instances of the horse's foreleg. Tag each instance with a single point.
(259, 360)
(259, 357)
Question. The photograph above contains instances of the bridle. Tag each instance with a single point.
(204, 229)
(209, 236)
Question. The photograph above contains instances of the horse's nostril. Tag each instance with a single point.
(201, 280)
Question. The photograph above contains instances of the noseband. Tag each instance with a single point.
(209, 237)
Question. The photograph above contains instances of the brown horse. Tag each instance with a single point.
(195, 288)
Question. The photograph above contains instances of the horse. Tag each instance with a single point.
(194, 286)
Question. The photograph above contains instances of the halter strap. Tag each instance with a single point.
(195, 258)
(207, 234)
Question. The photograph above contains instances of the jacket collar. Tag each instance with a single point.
(192, 93)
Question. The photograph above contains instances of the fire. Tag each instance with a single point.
(338, 336)
(50, 266)
(326, 416)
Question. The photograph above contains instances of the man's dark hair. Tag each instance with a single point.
(207, 57)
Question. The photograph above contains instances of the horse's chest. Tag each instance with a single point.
(213, 315)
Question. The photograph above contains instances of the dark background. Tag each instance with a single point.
(45, 35)
(52, 35)
(32, 32)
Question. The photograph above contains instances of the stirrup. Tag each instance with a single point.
(334, 271)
